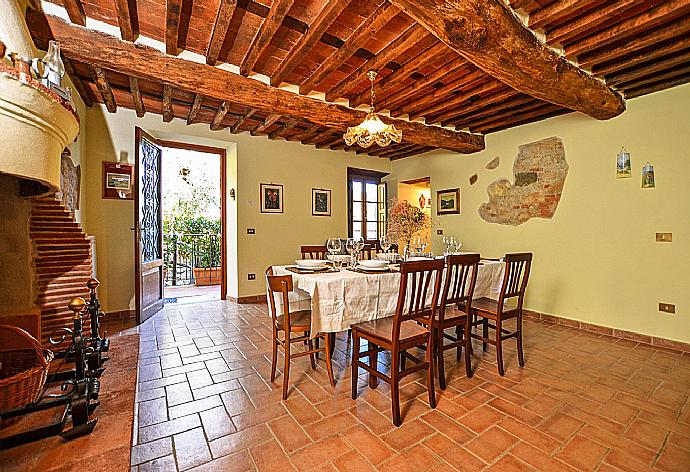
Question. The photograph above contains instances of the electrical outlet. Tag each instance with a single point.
(667, 308)
(439, 232)
(251, 276)
(664, 237)
(251, 231)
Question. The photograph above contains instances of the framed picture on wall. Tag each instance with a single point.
(320, 202)
(271, 198)
(118, 181)
(448, 202)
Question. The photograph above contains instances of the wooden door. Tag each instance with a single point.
(148, 226)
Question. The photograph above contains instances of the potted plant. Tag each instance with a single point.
(405, 221)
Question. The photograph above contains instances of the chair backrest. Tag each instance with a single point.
(279, 284)
(515, 278)
(460, 279)
(420, 284)
(313, 252)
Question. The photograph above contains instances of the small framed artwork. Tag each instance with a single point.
(648, 176)
(623, 170)
(448, 202)
(118, 181)
(320, 202)
(271, 198)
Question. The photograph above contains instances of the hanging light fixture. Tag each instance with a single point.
(372, 129)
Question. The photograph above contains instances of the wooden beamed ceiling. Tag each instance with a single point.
(635, 47)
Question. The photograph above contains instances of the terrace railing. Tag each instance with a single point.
(185, 252)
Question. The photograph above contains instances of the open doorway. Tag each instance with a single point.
(193, 200)
(418, 193)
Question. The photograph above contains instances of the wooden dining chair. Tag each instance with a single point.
(313, 252)
(291, 323)
(420, 283)
(454, 311)
(512, 289)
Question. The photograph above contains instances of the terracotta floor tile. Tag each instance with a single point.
(366, 414)
(582, 453)
(191, 448)
(269, 457)
(168, 428)
(289, 433)
(319, 453)
(560, 426)
(539, 459)
(647, 434)
(411, 432)
(370, 446)
(415, 459)
(456, 456)
(448, 427)
(162, 464)
(352, 462)
(331, 425)
(481, 418)
(491, 443)
(259, 416)
(239, 462)
(152, 412)
(235, 442)
(216, 423)
(673, 459)
(509, 463)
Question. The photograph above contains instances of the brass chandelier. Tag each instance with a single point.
(372, 129)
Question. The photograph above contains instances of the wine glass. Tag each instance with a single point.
(334, 247)
(351, 247)
(418, 244)
(360, 246)
(457, 245)
(386, 244)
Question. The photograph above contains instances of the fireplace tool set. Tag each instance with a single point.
(26, 387)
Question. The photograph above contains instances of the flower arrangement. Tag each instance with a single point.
(406, 220)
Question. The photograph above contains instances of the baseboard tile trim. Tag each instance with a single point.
(252, 299)
(654, 341)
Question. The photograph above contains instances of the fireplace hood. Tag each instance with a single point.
(35, 127)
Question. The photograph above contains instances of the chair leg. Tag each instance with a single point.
(316, 344)
(329, 366)
(286, 369)
(395, 391)
(349, 334)
(438, 347)
(459, 331)
(354, 366)
(499, 348)
(373, 363)
(430, 371)
(274, 357)
(521, 356)
(468, 352)
(312, 357)
(403, 360)
(485, 332)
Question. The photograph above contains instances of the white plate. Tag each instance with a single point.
(415, 258)
(373, 268)
(310, 263)
(375, 263)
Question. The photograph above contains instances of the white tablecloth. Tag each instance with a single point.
(340, 299)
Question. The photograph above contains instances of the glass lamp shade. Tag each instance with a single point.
(54, 67)
(372, 130)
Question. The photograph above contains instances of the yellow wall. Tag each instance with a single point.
(411, 193)
(252, 160)
(597, 260)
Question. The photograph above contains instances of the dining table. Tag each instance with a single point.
(339, 299)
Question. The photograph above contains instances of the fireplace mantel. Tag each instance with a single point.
(36, 127)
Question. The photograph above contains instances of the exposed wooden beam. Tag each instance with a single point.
(104, 89)
(291, 123)
(226, 9)
(136, 96)
(642, 56)
(276, 15)
(664, 12)
(650, 70)
(656, 87)
(384, 86)
(167, 103)
(318, 27)
(667, 74)
(75, 11)
(240, 121)
(217, 122)
(173, 8)
(196, 105)
(268, 122)
(128, 19)
(587, 22)
(366, 30)
(412, 152)
(407, 39)
(102, 50)
(77, 82)
(490, 36)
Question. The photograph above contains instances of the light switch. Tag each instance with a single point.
(664, 237)
(667, 307)
(251, 231)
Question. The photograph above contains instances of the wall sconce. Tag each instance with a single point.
(232, 193)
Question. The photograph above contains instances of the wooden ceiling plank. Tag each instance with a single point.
(446, 116)
(329, 142)
(75, 11)
(300, 50)
(384, 86)
(660, 14)
(404, 41)
(515, 118)
(144, 62)
(226, 10)
(361, 35)
(173, 8)
(268, 122)
(662, 75)
(194, 110)
(437, 75)
(540, 117)
(217, 122)
(128, 19)
(410, 153)
(77, 82)
(645, 39)
(454, 101)
(553, 12)
(492, 110)
(657, 87)
(269, 27)
(487, 34)
(648, 54)
(240, 121)
(587, 22)
(136, 96)
(291, 123)
(104, 89)
(649, 69)
(167, 103)
(507, 114)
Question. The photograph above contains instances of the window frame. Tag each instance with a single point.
(366, 177)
